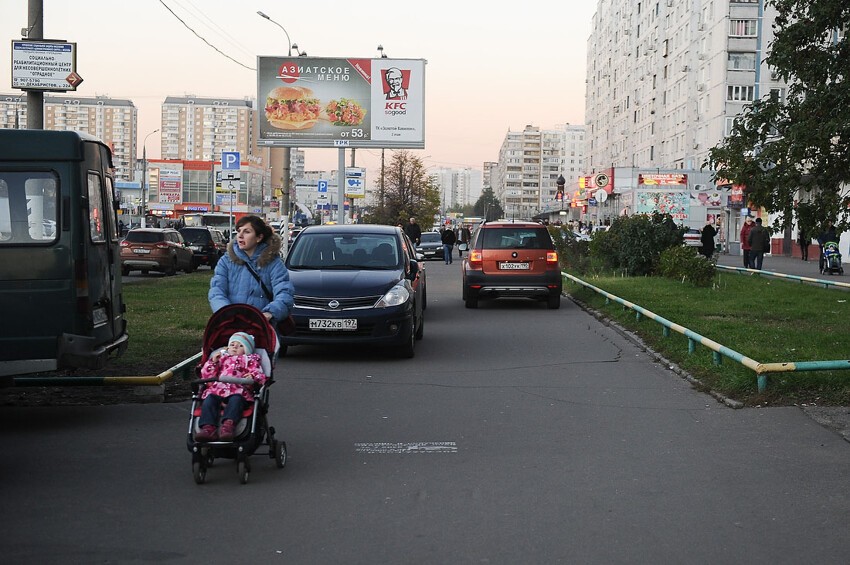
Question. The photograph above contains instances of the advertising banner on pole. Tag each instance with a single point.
(327, 102)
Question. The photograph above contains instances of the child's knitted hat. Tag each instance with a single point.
(245, 339)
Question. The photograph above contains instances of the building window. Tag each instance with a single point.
(742, 61)
(737, 93)
(730, 122)
(742, 28)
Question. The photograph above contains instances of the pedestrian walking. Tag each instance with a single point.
(804, 240)
(759, 240)
(463, 236)
(707, 240)
(745, 240)
(447, 236)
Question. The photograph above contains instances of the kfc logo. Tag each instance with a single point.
(396, 83)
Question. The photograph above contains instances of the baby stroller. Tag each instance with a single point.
(831, 259)
(253, 429)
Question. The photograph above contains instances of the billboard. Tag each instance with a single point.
(327, 102)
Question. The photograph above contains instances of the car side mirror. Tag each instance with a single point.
(414, 269)
(462, 246)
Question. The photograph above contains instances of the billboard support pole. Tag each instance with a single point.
(340, 177)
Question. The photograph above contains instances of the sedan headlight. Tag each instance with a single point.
(396, 296)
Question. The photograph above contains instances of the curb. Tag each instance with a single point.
(657, 357)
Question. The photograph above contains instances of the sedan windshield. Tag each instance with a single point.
(329, 251)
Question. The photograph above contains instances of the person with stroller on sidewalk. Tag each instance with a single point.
(745, 240)
(237, 360)
(759, 240)
(707, 240)
(827, 235)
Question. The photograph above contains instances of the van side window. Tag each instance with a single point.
(96, 213)
(109, 210)
(28, 207)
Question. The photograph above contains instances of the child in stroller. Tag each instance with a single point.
(831, 259)
(240, 363)
(243, 376)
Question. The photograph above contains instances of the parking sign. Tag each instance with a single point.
(230, 161)
(323, 186)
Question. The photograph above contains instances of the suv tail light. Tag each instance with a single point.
(476, 259)
(161, 245)
(125, 243)
(551, 259)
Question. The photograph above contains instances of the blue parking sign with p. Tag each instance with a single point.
(323, 186)
(230, 161)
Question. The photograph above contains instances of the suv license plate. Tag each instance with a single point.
(329, 324)
(513, 266)
(142, 251)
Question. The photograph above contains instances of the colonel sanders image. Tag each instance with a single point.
(394, 79)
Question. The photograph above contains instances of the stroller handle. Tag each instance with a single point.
(237, 380)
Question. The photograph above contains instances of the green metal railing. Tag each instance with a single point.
(824, 282)
(762, 370)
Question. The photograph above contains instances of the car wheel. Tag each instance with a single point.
(420, 331)
(281, 352)
(406, 350)
(125, 271)
(471, 301)
(554, 301)
(172, 268)
(190, 267)
(424, 298)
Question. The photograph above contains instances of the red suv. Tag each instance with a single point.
(512, 259)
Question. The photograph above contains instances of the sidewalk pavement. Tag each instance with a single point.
(783, 264)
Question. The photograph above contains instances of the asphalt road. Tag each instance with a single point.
(517, 434)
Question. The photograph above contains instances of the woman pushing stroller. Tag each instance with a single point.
(252, 272)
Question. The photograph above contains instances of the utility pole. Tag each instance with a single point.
(35, 98)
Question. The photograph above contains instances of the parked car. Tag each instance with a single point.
(430, 245)
(512, 259)
(207, 245)
(356, 284)
(155, 249)
(692, 238)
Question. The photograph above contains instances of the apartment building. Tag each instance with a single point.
(666, 78)
(199, 129)
(112, 120)
(458, 187)
(530, 162)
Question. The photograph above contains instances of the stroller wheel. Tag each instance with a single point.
(242, 470)
(279, 453)
(199, 471)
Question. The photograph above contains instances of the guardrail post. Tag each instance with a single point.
(637, 316)
(718, 358)
(692, 345)
(665, 331)
(762, 379)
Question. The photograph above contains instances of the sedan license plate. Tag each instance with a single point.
(513, 266)
(331, 324)
(142, 251)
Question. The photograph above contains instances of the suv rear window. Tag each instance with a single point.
(144, 237)
(516, 238)
(196, 235)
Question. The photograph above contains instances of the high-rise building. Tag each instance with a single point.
(199, 129)
(112, 120)
(666, 79)
(530, 162)
(458, 187)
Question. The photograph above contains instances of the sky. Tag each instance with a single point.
(491, 67)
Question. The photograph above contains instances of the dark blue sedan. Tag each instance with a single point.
(356, 284)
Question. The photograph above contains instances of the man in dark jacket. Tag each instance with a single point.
(413, 231)
(707, 240)
(759, 243)
(447, 236)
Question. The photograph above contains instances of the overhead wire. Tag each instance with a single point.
(199, 36)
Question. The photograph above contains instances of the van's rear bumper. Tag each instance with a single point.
(73, 351)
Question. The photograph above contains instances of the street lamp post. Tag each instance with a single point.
(287, 151)
(142, 222)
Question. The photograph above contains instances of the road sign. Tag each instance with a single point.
(353, 183)
(323, 186)
(230, 161)
(44, 65)
(354, 172)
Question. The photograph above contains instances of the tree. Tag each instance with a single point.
(408, 192)
(488, 206)
(802, 143)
